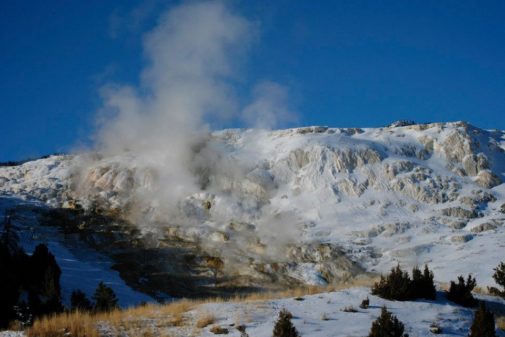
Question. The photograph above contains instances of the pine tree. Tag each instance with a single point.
(387, 325)
(417, 284)
(9, 286)
(428, 290)
(43, 282)
(396, 286)
(499, 278)
(9, 237)
(483, 323)
(283, 327)
(461, 292)
(105, 298)
(79, 301)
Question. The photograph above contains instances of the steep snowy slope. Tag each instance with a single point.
(410, 194)
(82, 268)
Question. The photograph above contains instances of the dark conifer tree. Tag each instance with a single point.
(483, 323)
(36, 277)
(387, 325)
(43, 282)
(461, 292)
(283, 327)
(105, 298)
(428, 285)
(79, 301)
(499, 278)
(395, 286)
(9, 286)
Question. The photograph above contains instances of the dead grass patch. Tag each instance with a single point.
(76, 324)
(134, 320)
(204, 320)
(500, 322)
(217, 330)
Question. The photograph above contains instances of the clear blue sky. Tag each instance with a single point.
(347, 63)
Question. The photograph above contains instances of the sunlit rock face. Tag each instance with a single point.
(382, 195)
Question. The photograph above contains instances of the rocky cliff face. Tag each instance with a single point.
(405, 193)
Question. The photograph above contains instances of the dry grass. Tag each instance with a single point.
(500, 322)
(349, 309)
(16, 326)
(76, 324)
(178, 307)
(204, 320)
(217, 330)
(133, 321)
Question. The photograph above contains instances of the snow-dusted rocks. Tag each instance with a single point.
(409, 193)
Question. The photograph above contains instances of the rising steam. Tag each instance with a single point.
(163, 125)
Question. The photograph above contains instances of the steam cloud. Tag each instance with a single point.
(192, 58)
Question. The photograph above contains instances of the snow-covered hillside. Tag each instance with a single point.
(414, 194)
(81, 267)
(321, 315)
(324, 315)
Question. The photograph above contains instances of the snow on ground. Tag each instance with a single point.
(320, 315)
(82, 268)
(323, 315)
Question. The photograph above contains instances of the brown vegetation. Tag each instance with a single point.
(205, 320)
(500, 323)
(134, 321)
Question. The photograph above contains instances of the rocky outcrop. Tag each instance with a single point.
(459, 212)
(255, 193)
(487, 179)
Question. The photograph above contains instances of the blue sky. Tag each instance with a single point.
(346, 63)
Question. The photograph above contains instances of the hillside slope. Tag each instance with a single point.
(294, 201)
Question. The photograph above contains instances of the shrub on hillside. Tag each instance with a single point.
(9, 286)
(422, 285)
(105, 298)
(398, 285)
(387, 325)
(283, 327)
(499, 278)
(365, 303)
(483, 323)
(29, 285)
(461, 292)
(79, 301)
(395, 286)
(43, 282)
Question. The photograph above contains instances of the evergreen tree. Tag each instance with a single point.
(483, 323)
(105, 298)
(365, 303)
(396, 286)
(499, 278)
(9, 237)
(37, 277)
(9, 286)
(283, 327)
(430, 292)
(387, 325)
(79, 301)
(461, 292)
(423, 285)
(418, 284)
(43, 282)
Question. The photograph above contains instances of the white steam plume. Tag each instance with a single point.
(162, 127)
(191, 59)
(269, 108)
